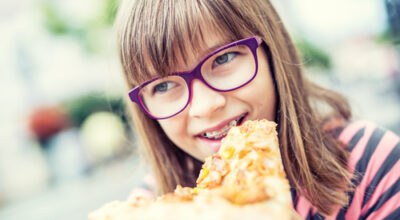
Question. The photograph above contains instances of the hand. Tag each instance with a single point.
(141, 193)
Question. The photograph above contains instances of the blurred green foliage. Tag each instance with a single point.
(81, 107)
(312, 55)
(53, 21)
(110, 12)
(386, 37)
(87, 32)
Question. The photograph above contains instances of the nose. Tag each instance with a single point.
(205, 101)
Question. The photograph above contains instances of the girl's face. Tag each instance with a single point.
(211, 111)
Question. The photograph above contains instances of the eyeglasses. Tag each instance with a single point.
(227, 68)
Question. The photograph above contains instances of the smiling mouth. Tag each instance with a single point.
(219, 134)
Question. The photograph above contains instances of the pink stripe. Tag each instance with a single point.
(303, 207)
(390, 178)
(355, 207)
(349, 131)
(356, 154)
(358, 150)
(385, 146)
(345, 136)
(314, 211)
(389, 206)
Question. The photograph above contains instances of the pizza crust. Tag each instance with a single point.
(245, 179)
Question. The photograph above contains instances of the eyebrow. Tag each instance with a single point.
(214, 48)
(203, 54)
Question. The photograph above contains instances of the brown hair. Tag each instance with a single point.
(148, 34)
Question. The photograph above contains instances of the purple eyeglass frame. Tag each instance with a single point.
(253, 43)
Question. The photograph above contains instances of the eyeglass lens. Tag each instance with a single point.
(228, 69)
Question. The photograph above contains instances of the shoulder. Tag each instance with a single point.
(369, 145)
(374, 160)
(361, 135)
(145, 189)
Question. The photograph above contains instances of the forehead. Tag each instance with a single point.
(186, 52)
(160, 37)
(181, 49)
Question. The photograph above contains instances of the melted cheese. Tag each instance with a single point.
(245, 179)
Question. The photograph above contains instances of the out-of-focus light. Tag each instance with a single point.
(337, 19)
(102, 135)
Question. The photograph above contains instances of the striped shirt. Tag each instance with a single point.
(374, 156)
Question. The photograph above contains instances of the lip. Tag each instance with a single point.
(223, 124)
(214, 144)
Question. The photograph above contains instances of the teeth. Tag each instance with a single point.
(220, 133)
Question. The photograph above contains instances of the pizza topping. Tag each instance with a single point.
(246, 171)
(228, 152)
(249, 154)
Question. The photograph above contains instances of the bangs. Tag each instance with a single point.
(156, 35)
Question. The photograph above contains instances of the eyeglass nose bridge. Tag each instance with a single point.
(192, 75)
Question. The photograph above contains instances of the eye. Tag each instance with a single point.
(225, 58)
(163, 87)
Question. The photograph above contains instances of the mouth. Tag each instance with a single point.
(222, 132)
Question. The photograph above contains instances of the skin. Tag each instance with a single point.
(209, 108)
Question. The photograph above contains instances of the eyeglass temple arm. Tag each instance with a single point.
(259, 40)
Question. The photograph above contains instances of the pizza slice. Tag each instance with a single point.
(244, 179)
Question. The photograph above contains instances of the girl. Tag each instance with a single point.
(196, 68)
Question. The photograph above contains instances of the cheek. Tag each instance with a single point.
(263, 100)
(266, 86)
(260, 93)
(174, 128)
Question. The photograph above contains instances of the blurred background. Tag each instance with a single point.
(65, 145)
